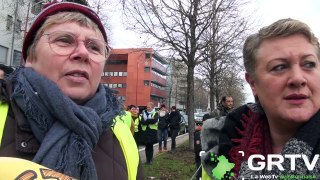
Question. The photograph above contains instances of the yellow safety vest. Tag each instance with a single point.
(3, 115)
(152, 126)
(129, 148)
(136, 123)
(126, 118)
(125, 138)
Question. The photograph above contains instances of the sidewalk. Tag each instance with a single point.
(180, 139)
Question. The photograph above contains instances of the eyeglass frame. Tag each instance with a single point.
(107, 47)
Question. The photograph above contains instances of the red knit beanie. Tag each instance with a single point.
(54, 8)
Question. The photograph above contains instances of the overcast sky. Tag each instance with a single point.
(268, 11)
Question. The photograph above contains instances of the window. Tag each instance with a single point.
(148, 55)
(115, 73)
(9, 22)
(146, 82)
(3, 54)
(120, 85)
(18, 26)
(147, 69)
(117, 62)
(16, 58)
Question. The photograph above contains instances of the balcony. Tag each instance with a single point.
(158, 92)
(158, 79)
(159, 67)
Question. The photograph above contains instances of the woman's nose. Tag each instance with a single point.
(80, 52)
(297, 78)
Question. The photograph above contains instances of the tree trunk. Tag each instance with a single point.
(190, 105)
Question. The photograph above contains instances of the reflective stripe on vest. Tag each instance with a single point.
(3, 115)
(129, 148)
(136, 123)
(126, 118)
(152, 126)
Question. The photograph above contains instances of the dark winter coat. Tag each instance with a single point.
(19, 141)
(163, 121)
(197, 140)
(148, 129)
(220, 111)
(174, 120)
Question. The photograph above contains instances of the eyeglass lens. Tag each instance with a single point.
(64, 43)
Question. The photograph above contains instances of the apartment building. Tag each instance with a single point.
(138, 76)
(15, 18)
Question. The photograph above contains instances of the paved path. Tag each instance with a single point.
(180, 139)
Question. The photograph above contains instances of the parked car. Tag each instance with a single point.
(183, 124)
(198, 117)
(184, 119)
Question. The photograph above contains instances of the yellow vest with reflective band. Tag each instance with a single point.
(152, 126)
(125, 138)
(129, 148)
(3, 115)
(136, 123)
(126, 118)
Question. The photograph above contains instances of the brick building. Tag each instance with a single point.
(138, 76)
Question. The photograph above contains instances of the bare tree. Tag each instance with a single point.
(179, 27)
(103, 11)
(226, 36)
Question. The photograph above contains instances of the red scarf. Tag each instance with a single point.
(255, 139)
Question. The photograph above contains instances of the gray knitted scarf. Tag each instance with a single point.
(67, 131)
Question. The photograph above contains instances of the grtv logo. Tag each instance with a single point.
(276, 160)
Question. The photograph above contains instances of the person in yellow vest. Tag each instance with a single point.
(126, 118)
(136, 118)
(148, 128)
(55, 112)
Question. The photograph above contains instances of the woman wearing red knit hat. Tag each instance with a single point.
(56, 112)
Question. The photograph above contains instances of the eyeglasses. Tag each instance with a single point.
(64, 43)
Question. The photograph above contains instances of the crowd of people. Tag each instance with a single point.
(55, 113)
(152, 126)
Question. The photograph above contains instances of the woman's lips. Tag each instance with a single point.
(296, 99)
(77, 76)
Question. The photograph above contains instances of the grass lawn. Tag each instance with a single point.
(178, 166)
